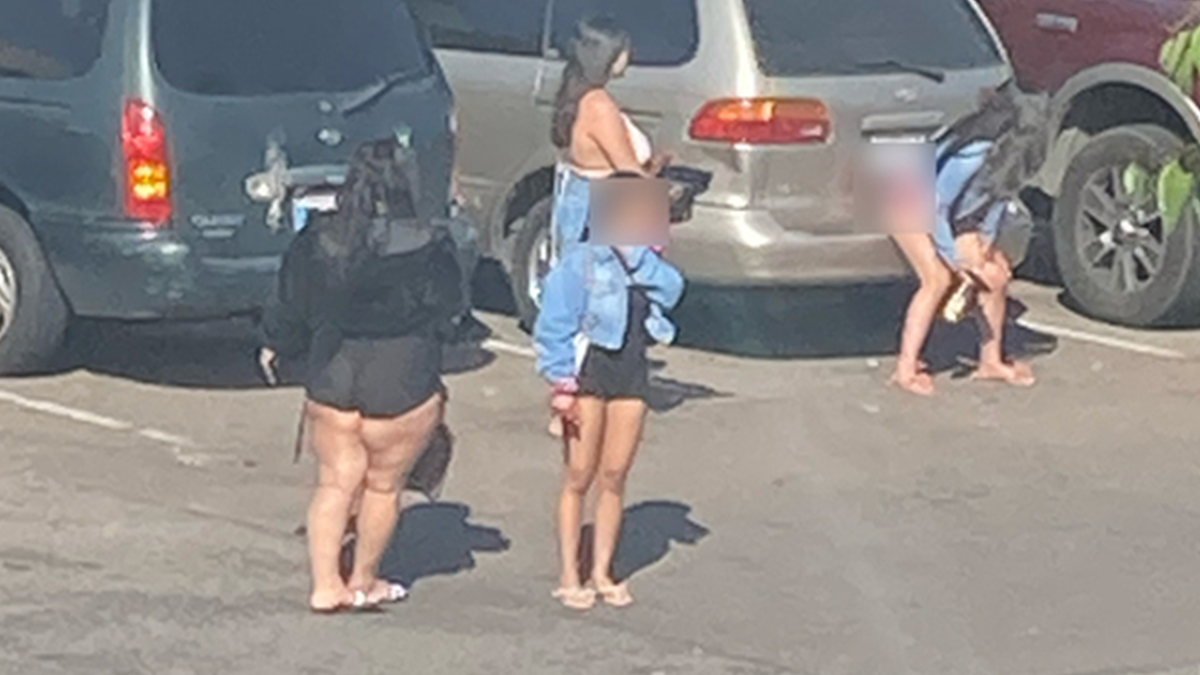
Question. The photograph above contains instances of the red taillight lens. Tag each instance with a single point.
(763, 120)
(147, 171)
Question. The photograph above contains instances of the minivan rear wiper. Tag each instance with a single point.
(373, 92)
(897, 65)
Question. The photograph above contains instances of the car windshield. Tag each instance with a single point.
(815, 37)
(263, 47)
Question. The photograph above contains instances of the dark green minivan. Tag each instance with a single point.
(152, 152)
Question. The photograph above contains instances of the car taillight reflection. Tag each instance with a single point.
(147, 169)
(763, 121)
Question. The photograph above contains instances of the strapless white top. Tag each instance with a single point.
(641, 149)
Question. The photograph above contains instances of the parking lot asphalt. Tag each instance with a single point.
(789, 513)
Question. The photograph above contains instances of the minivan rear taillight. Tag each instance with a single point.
(147, 172)
(763, 120)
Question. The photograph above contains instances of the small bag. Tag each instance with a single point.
(686, 184)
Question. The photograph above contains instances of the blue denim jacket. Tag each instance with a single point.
(569, 217)
(585, 300)
(951, 181)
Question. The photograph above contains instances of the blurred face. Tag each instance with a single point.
(621, 64)
(631, 212)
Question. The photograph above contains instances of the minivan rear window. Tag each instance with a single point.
(263, 47)
(814, 37)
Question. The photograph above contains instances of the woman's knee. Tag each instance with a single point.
(937, 280)
(383, 480)
(612, 479)
(578, 479)
(345, 473)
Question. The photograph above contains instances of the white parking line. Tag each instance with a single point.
(509, 348)
(1102, 340)
(92, 419)
(57, 410)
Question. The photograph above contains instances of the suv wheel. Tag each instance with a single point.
(33, 316)
(1116, 261)
(531, 260)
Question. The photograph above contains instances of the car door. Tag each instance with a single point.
(491, 54)
(1051, 40)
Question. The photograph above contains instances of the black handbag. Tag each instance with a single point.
(686, 183)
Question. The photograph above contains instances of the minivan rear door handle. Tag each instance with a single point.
(894, 123)
(1057, 23)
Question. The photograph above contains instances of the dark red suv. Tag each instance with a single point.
(1099, 58)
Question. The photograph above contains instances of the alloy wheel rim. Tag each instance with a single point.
(539, 266)
(1122, 242)
(8, 293)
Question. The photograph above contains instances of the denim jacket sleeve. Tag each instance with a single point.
(564, 303)
(664, 284)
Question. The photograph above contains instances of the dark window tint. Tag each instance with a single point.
(664, 32)
(50, 39)
(798, 37)
(259, 47)
(504, 26)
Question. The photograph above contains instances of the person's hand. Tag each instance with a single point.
(658, 163)
(267, 360)
(564, 406)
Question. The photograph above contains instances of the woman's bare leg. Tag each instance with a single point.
(393, 447)
(993, 305)
(624, 419)
(935, 279)
(343, 466)
(582, 453)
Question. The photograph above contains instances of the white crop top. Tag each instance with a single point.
(641, 149)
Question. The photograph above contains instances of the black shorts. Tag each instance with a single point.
(623, 373)
(378, 377)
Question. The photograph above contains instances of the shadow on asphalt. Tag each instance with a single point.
(437, 540)
(647, 532)
(200, 355)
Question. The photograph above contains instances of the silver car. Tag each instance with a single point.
(775, 97)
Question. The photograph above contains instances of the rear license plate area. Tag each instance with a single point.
(309, 203)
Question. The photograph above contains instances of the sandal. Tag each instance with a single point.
(579, 598)
(392, 593)
(358, 605)
(615, 595)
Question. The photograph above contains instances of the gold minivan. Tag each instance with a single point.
(774, 97)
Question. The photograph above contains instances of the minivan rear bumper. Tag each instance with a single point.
(748, 247)
(128, 273)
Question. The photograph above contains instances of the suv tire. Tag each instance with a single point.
(33, 315)
(1134, 278)
(528, 254)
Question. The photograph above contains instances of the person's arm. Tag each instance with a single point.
(605, 125)
(664, 283)
(564, 301)
(285, 329)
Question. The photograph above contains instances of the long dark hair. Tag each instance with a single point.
(1017, 125)
(380, 184)
(597, 45)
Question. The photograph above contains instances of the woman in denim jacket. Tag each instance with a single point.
(603, 306)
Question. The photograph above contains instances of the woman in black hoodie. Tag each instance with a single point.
(366, 297)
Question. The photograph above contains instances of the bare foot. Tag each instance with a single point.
(576, 597)
(1015, 373)
(614, 594)
(919, 383)
(331, 600)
